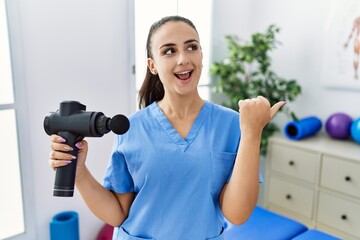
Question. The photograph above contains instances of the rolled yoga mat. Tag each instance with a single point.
(303, 128)
(65, 225)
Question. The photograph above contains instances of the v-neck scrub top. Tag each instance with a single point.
(176, 180)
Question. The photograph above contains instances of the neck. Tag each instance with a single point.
(181, 107)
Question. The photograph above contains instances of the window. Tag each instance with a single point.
(15, 198)
(11, 207)
(147, 12)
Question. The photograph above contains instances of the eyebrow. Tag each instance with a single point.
(173, 44)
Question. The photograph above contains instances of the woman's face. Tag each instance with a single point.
(177, 57)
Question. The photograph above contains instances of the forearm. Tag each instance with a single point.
(102, 202)
(240, 196)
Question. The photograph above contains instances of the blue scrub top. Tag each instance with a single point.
(176, 180)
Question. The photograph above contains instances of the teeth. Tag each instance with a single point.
(184, 75)
(184, 72)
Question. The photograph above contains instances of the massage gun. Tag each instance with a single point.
(73, 123)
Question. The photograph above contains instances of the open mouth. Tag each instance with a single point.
(184, 75)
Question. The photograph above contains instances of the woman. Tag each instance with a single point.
(181, 166)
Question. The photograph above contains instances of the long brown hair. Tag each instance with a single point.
(152, 88)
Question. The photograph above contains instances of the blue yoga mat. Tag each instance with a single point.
(65, 225)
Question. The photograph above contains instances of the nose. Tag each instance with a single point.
(183, 58)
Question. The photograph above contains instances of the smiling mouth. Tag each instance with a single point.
(184, 75)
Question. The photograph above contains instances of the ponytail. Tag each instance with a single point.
(151, 90)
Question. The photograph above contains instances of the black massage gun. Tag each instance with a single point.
(73, 123)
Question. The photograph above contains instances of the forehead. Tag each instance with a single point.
(173, 32)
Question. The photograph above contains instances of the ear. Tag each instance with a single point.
(151, 66)
(202, 58)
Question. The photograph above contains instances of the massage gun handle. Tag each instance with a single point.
(65, 176)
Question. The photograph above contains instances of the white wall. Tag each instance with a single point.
(300, 56)
(73, 50)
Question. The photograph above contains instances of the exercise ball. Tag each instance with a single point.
(355, 130)
(106, 232)
(338, 125)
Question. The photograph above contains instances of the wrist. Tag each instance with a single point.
(251, 135)
(81, 174)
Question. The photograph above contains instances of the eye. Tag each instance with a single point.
(169, 51)
(193, 47)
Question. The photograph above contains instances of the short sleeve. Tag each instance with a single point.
(261, 179)
(230, 174)
(117, 176)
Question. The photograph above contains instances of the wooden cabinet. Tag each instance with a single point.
(317, 182)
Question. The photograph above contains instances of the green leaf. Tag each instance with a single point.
(246, 72)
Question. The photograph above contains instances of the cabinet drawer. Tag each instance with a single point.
(297, 163)
(293, 197)
(339, 213)
(341, 175)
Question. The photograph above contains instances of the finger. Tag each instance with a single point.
(60, 147)
(263, 99)
(243, 104)
(57, 138)
(81, 144)
(58, 163)
(276, 107)
(56, 155)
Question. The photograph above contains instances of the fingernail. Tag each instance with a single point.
(67, 162)
(68, 148)
(60, 139)
(285, 102)
(78, 145)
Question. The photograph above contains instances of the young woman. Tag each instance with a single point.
(183, 164)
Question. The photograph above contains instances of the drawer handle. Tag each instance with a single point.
(344, 217)
(288, 196)
(348, 178)
(291, 163)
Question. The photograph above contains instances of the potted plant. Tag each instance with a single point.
(246, 73)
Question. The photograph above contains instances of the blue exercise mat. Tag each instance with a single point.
(264, 224)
